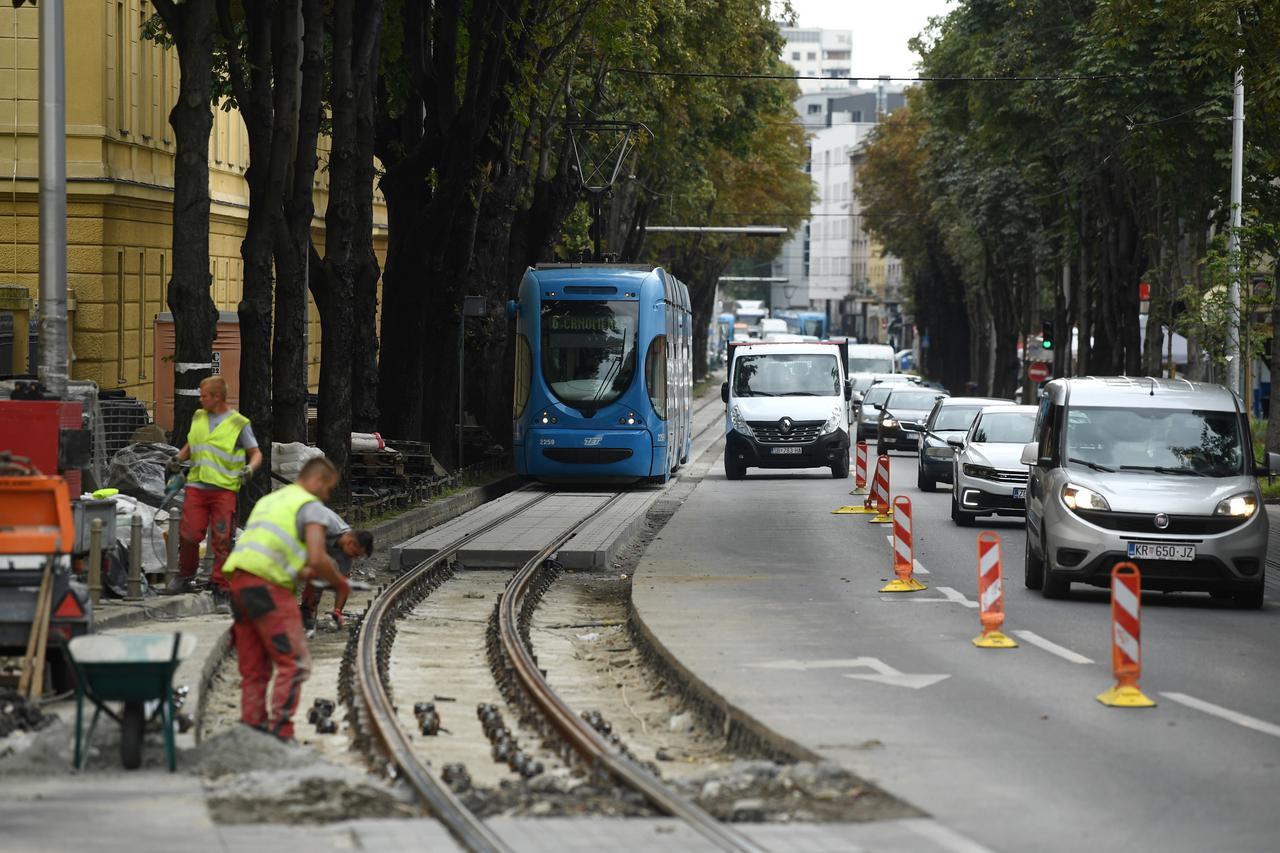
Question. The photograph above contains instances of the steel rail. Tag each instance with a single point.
(580, 736)
(470, 830)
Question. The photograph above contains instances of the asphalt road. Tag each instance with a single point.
(1010, 748)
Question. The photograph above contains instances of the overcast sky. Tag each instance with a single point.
(880, 28)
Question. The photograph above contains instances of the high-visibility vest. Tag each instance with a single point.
(215, 457)
(270, 546)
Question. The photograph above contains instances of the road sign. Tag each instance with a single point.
(1038, 371)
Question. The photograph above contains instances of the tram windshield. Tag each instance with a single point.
(588, 350)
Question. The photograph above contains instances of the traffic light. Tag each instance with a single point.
(1046, 334)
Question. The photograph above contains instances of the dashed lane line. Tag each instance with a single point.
(1053, 648)
(1225, 713)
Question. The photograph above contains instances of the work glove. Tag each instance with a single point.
(173, 465)
(246, 474)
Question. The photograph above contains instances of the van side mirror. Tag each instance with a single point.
(848, 389)
(1030, 453)
(1272, 465)
(724, 391)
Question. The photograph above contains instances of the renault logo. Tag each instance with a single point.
(1162, 520)
(785, 425)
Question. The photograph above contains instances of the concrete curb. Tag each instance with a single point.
(416, 521)
(212, 662)
(115, 613)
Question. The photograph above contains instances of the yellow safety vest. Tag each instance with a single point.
(215, 458)
(270, 547)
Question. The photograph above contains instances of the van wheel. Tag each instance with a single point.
(733, 470)
(1032, 569)
(1250, 599)
(840, 470)
(925, 484)
(1054, 588)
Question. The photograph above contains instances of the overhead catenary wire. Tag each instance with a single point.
(923, 78)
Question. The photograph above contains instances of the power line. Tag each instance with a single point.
(991, 78)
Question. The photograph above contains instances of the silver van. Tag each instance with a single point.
(1156, 471)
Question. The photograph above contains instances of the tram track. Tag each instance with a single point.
(365, 686)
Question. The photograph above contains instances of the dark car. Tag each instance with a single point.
(905, 408)
(952, 416)
(868, 413)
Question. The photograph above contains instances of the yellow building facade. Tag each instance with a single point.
(120, 152)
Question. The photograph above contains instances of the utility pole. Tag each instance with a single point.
(52, 370)
(1233, 236)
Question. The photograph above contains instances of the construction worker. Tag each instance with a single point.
(224, 455)
(282, 548)
(343, 545)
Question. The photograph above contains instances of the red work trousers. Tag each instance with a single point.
(212, 510)
(267, 633)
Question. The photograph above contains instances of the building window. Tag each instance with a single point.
(795, 56)
(812, 56)
(122, 72)
(815, 109)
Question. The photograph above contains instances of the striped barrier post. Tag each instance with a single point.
(880, 499)
(860, 470)
(1126, 644)
(903, 551)
(991, 594)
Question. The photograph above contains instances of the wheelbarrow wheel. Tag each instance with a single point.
(133, 722)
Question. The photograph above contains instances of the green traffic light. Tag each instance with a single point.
(1047, 344)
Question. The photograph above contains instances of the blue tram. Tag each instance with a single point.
(603, 373)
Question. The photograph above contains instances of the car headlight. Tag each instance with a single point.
(833, 423)
(938, 451)
(1078, 498)
(889, 422)
(740, 423)
(982, 472)
(1238, 506)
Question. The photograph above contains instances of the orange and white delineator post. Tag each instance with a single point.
(1126, 645)
(860, 469)
(903, 552)
(991, 594)
(879, 498)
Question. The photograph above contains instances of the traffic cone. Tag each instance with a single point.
(879, 498)
(860, 470)
(991, 594)
(1126, 645)
(903, 552)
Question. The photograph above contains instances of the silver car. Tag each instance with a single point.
(987, 476)
(1155, 471)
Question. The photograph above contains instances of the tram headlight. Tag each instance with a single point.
(547, 418)
(740, 423)
(833, 423)
(629, 419)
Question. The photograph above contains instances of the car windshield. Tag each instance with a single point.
(956, 417)
(1005, 428)
(877, 395)
(588, 350)
(870, 365)
(912, 401)
(787, 375)
(1163, 441)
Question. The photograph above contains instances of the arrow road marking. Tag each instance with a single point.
(883, 673)
(951, 596)
(1052, 648)
(1225, 713)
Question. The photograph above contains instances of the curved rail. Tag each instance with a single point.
(580, 736)
(380, 712)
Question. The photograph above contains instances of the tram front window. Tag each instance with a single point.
(588, 351)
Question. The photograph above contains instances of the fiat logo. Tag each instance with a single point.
(1162, 520)
(785, 425)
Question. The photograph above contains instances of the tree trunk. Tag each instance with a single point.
(195, 316)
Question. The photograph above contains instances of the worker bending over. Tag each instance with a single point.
(224, 455)
(282, 548)
(343, 545)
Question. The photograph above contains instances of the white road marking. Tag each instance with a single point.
(804, 665)
(950, 596)
(1225, 713)
(943, 835)
(957, 596)
(1052, 648)
(883, 673)
(915, 564)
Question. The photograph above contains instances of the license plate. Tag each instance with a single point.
(783, 451)
(1018, 494)
(1155, 551)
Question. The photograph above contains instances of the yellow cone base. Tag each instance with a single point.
(852, 510)
(880, 518)
(994, 640)
(862, 490)
(900, 585)
(1125, 696)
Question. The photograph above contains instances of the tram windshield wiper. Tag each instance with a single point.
(1094, 465)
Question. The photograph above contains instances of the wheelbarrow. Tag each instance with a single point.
(133, 669)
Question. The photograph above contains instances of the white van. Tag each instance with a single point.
(785, 407)
(871, 358)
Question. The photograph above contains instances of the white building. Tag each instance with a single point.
(815, 52)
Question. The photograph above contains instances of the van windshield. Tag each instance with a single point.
(1163, 441)
(588, 350)
(787, 375)
(870, 365)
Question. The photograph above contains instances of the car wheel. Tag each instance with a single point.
(840, 470)
(1032, 568)
(925, 484)
(961, 518)
(734, 471)
(1249, 599)
(1053, 587)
